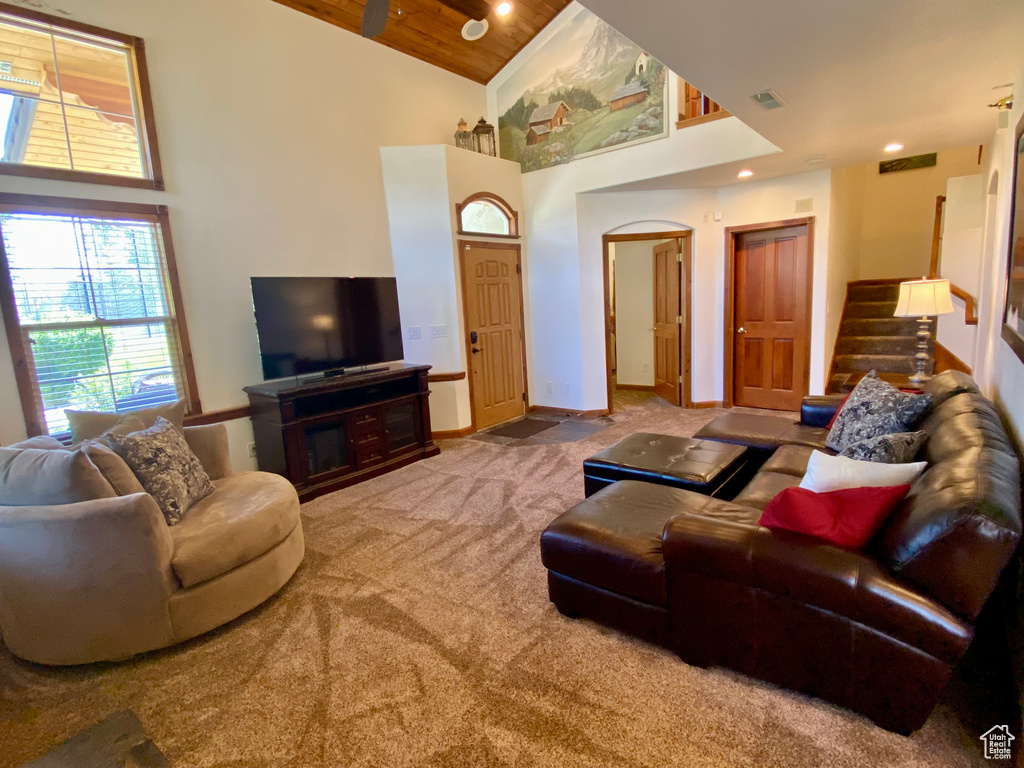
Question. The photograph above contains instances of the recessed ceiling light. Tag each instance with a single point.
(474, 30)
(503, 9)
(745, 174)
(894, 147)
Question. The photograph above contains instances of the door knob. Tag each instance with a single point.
(741, 330)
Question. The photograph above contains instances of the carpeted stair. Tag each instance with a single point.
(871, 339)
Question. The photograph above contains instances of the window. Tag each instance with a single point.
(74, 103)
(487, 214)
(696, 107)
(92, 309)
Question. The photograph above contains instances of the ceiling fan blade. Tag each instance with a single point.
(375, 17)
(474, 9)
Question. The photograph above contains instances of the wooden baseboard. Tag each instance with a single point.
(568, 412)
(453, 434)
(882, 281)
(946, 360)
(635, 387)
(708, 404)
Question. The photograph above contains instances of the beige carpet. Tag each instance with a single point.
(418, 633)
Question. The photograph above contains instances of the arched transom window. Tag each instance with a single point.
(487, 214)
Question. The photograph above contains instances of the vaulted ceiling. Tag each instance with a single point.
(854, 75)
(432, 32)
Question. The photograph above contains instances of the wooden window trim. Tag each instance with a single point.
(137, 48)
(15, 203)
(508, 210)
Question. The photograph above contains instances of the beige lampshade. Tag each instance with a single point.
(924, 298)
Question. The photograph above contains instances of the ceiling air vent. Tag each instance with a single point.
(768, 99)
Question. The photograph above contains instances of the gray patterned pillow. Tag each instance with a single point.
(875, 408)
(897, 448)
(166, 467)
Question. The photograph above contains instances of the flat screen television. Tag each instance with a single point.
(325, 324)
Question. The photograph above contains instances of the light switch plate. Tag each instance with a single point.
(414, 332)
(438, 331)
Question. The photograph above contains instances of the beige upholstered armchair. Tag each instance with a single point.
(107, 579)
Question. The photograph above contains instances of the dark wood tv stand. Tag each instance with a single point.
(325, 434)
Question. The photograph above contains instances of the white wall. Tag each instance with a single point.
(565, 286)
(634, 312)
(844, 244)
(269, 124)
(422, 187)
(1000, 371)
(899, 214)
(963, 228)
(747, 203)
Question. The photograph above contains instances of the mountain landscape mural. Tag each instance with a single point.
(587, 89)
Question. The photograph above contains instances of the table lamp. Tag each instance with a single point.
(924, 299)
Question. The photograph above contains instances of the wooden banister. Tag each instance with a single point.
(937, 236)
(970, 305)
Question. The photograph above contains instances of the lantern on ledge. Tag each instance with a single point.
(483, 138)
(464, 137)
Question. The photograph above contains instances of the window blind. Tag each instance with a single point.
(94, 311)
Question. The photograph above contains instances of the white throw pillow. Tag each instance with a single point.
(833, 473)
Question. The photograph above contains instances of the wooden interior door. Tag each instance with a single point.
(668, 313)
(492, 298)
(771, 318)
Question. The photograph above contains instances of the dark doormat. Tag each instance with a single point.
(522, 428)
(117, 742)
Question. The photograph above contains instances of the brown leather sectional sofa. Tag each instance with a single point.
(877, 631)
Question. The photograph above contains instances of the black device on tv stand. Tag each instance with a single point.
(337, 372)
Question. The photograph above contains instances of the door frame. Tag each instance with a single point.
(517, 247)
(731, 234)
(686, 291)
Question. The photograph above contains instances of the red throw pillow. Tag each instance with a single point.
(848, 518)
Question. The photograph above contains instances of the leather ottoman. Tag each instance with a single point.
(604, 556)
(705, 466)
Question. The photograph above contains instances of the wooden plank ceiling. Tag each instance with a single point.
(432, 32)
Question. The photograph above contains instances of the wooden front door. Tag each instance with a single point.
(771, 336)
(668, 322)
(492, 295)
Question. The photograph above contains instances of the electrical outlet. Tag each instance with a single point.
(415, 332)
(566, 388)
(647, 366)
(551, 387)
(707, 218)
(252, 450)
(438, 331)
